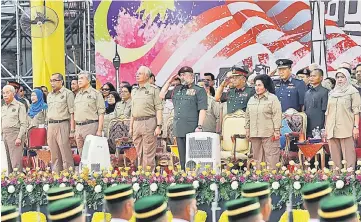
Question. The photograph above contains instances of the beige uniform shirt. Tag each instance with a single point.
(14, 116)
(123, 108)
(146, 101)
(88, 105)
(212, 115)
(39, 119)
(60, 104)
(263, 115)
(107, 118)
(340, 114)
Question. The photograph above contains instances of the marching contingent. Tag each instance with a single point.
(330, 105)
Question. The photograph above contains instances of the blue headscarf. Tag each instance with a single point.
(38, 106)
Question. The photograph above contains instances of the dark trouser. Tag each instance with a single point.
(181, 143)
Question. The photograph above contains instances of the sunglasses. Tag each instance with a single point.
(105, 89)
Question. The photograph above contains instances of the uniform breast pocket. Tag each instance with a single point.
(347, 102)
(267, 108)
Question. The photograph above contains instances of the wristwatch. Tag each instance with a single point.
(355, 126)
(199, 127)
(160, 126)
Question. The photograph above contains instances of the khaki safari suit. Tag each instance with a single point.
(263, 118)
(123, 108)
(145, 104)
(37, 120)
(13, 126)
(88, 106)
(60, 108)
(340, 116)
(187, 101)
(212, 115)
(237, 98)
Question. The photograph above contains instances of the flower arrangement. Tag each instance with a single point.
(33, 184)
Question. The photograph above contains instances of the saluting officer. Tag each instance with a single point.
(290, 91)
(190, 105)
(89, 108)
(146, 119)
(238, 96)
(61, 125)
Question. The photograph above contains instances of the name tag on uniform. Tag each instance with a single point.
(62, 97)
(14, 110)
(89, 97)
(147, 92)
(278, 85)
(191, 92)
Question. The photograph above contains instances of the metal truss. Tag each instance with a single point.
(16, 57)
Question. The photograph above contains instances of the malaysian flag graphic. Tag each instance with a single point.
(208, 35)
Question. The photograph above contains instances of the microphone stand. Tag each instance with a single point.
(215, 206)
(289, 206)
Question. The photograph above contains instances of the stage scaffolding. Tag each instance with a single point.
(16, 45)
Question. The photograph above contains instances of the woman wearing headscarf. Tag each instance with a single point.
(113, 99)
(342, 119)
(37, 110)
(263, 122)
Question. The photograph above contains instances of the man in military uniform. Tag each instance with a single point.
(190, 105)
(13, 127)
(89, 108)
(211, 121)
(338, 208)
(182, 202)
(290, 91)
(119, 201)
(238, 96)
(312, 194)
(146, 119)
(243, 210)
(68, 209)
(262, 192)
(61, 127)
(304, 75)
(151, 208)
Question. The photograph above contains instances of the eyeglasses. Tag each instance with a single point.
(55, 80)
(105, 89)
(124, 91)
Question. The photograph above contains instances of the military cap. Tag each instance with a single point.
(239, 71)
(65, 209)
(9, 213)
(312, 192)
(15, 84)
(304, 72)
(118, 193)
(150, 208)
(259, 190)
(181, 192)
(242, 208)
(337, 208)
(185, 69)
(58, 193)
(284, 63)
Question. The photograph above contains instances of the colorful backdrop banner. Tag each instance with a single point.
(208, 35)
(48, 52)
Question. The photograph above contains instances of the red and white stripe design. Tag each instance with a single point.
(340, 47)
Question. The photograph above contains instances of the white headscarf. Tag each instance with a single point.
(347, 88)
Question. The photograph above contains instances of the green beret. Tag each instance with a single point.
(337, 208)
(260, 190)
(58, 193)
(65, 209)
(242, 208)
(181, 192)
(9, 213)
(150, 208)
(118, 193)
(313, 192)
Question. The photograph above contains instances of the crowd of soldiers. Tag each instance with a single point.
(254, 206)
